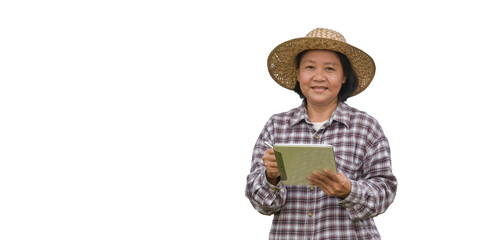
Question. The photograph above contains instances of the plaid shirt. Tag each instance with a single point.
(362, 153)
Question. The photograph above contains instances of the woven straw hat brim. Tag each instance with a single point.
(282, 66)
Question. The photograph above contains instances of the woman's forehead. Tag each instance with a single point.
(325, 56)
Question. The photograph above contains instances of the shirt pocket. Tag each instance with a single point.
(349, 166)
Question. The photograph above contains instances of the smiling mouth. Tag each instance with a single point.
(319, 88)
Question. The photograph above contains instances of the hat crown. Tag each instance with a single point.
(326, 33)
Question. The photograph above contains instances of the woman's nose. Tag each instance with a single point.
(319, 75)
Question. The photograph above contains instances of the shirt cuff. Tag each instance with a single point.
(273, 188)
(353, 198)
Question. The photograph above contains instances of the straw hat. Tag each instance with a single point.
(282, 66)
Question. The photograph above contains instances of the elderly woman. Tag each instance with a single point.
(325, 71)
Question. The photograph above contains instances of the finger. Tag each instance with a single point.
(269, 158)
(331, 175)
(318, 180)
(270, 154)
(270, 151)
(270, 164)
(322, 185)
(272, 171)
(320, 176)
(324, 182)
(315, 182)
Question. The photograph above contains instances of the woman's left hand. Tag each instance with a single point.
(333, 184)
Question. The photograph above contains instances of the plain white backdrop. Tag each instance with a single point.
(137, 119)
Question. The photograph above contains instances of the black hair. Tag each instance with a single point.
(348, 88)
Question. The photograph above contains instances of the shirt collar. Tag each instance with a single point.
(341, 114)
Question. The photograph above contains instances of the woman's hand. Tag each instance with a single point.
(272, 168)
(333, 184)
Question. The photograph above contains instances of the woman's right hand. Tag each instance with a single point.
(272, 168)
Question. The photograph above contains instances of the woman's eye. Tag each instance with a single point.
(330, 69)
(309, 67)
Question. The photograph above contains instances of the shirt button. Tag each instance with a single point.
(316, 137)
(310, 214)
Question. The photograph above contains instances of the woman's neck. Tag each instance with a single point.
(320, 113)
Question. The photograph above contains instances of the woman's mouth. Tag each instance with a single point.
(319, 89)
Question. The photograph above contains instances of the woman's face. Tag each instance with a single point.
(320, 75)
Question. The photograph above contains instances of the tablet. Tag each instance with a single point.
(297, 161)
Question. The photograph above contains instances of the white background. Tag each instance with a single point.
(137, 119)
